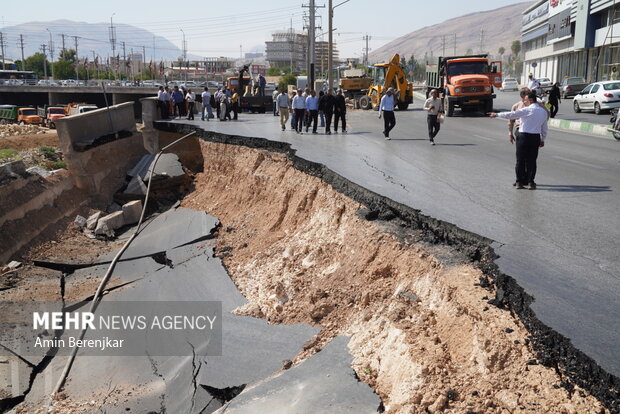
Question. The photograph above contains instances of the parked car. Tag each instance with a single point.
(598, 97)
(545, 83)
(572, 86)
(47, 82)
(13, 82)
(510, 84)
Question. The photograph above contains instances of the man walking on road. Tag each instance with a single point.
(327, 104)
(386, 109)
(190, 97)
(434, 106)
(340, 112)
(554, 99)
(531, 137)
(312, 108)
(284, 103)
(299, 106)
(206, 104)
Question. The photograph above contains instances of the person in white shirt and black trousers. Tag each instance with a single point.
(386, 108)
(531, 137)
(434, 106)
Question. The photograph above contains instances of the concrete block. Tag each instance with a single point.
(91, 221)
(111, 221)
(39, 171)
(132, 211)
(80, 221)
(104, 230)
(136, 187)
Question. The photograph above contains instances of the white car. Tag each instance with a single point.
(598, 97)
(545, 83)
(510, 84)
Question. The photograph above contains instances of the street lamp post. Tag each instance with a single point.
(330, 47)
(113, 43)
(184, 55)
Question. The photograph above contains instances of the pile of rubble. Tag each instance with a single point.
(99, 225)
(9, 130)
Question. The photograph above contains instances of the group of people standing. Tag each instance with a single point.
(306, 108)
(180, 103)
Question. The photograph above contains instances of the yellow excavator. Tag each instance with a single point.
(385, 75)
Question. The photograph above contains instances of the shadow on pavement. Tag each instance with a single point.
(574, 188)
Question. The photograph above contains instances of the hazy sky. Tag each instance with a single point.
(219, 28)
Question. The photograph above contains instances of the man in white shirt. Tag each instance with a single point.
(299, 106)
(190, 97)
(434, 106)
(533, 84)
(283, 102)
(531, 137)
(386, 109)
(206, 104)
(163, 98)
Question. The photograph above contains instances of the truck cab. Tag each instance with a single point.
(52, 114)
(28, 116)
(466, 81)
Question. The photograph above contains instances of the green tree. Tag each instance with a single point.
(501, 51)
(515, 47)
(274, 71)
(63, 69)
(35, 63)
(287, 80)
(67, 55)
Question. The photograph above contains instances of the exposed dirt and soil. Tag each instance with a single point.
(423, 333)
(41, 149)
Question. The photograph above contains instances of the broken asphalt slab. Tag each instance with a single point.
(324, 383)
(252, 349)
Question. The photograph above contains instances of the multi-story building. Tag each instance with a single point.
(286, 49)
(571, 38)
(289, 48)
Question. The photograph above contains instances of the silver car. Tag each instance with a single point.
(598, 97)
(510, 84)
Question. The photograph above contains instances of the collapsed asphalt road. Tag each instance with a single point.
(559, 242)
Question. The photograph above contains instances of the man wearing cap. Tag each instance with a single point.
(386, 109)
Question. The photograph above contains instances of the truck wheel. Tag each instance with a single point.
(403, 106)
(450, 111)
(365, 102)
(375, 101)
(488, 107)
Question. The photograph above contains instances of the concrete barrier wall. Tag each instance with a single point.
(32, 208)
(101, 170)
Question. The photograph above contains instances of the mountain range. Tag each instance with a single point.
(91, 37)
(487, 30)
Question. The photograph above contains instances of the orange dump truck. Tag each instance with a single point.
(467, 82)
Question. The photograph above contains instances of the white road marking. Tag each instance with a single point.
(585, 164)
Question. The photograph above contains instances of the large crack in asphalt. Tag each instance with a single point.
(552, 349)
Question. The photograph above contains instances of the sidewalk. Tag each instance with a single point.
(586, 128)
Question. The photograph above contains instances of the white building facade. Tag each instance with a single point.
(561, 38)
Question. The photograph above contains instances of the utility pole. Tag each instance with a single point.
(94, 61)
(63, 42)
(143, 58)
(312, 44)
(113, 44)
(124, 59)
(77, 60)
(366, 38)
(2, 47)
(21, 42)
(292, 40)
(454, 52)
(43, 47)
(481, 40)
(443, 45)
(51, 52)
(330, 52)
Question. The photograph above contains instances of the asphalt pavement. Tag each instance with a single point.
(560, 242)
